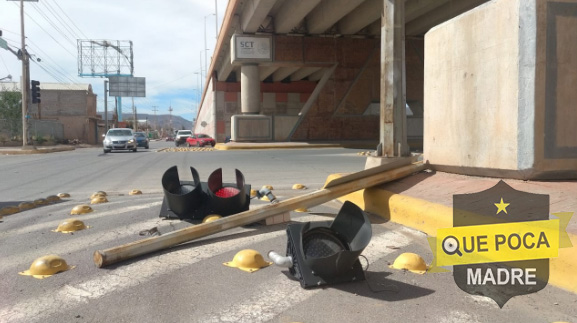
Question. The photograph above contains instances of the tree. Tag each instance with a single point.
(11, 111)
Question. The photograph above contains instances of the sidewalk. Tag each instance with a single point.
(33, 150)
(424, 202)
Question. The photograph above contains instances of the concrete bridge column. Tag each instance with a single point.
(393, 124)
(250, 125)
(249, 89)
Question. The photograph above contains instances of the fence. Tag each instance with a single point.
(38, 130)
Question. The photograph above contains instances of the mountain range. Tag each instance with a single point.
(159, 121)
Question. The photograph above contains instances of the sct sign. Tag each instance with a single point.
(501, 242)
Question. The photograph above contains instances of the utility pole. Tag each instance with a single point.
(135, 125)
(154, 108)
(25, 78)
(106, 104)
(170, 117)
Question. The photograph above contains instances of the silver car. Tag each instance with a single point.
(119, 139)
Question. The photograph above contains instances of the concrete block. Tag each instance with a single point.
(251, 128)
(503, 105)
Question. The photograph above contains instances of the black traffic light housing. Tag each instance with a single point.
(35, 91)
(195, 199)
(328, 252)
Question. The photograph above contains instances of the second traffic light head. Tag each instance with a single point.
(321, 253)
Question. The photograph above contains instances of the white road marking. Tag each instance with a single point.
(458, 317)
(51, 225)
(81, 240)
(124, 277)
(282, 293)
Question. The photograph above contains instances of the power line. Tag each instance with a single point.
(84, 36)
(59, 18)
(57, 42)
(39, 11)
(6, 66)
(46, 57)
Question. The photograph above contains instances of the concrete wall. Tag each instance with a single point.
(487, 98)
(555, 93)
(207, 121)
(74, 108)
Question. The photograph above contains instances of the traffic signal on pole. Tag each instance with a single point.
(35, 91)
(195, 199)
(321, 253)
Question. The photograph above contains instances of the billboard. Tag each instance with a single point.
(127, 86)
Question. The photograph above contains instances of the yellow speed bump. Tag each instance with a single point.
(252, 193)
(70, 225)
(299, 187)
(26, 206)
(248, 260)
(210, 218)
(81, 209)
(98, 199)
(7, 210)
(96, 194)
(135, 192)
(411, 262)
(41, 202)
(46, 266)
(301, 209)
(63, 195)
(269, 187)
(53, 198)
(265, 198)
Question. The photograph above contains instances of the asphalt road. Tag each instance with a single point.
(86, 170)
(189, 283)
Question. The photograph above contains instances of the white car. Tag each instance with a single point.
(119, 139)
(181, 136)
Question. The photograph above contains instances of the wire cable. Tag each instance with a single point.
(41, 13)
(72, 21)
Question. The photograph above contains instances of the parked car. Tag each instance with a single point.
(119, 139)
(141, 139)
(181, 136)
(200, 140)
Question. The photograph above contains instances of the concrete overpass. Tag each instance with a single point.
(286, 70)
(305, 36)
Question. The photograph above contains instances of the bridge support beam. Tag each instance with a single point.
(249, 89)
(393, 124)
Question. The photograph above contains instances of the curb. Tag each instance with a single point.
(428, 217)
(272, 146)
(36, 151)
(292, 145)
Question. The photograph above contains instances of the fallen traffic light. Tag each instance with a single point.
(228, 199)
(182, 197)
(321, 253)
(196, 199)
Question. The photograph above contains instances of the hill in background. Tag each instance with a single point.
(160, 121)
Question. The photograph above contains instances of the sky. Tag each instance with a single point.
(168, 38)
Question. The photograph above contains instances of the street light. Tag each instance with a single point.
(205, 46)
(9, 77)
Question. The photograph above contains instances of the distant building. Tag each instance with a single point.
(73, 105)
